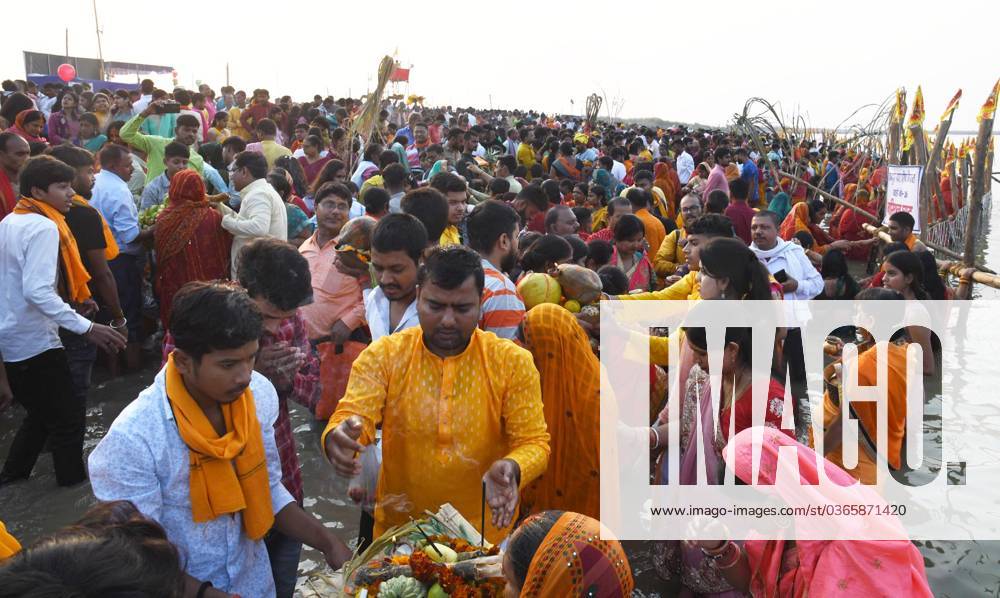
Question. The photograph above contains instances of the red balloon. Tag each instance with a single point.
(66, 72)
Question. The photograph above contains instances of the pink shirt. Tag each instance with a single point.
(335, 295)
(716, 180)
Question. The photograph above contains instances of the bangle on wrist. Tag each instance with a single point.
(656, 434)
(91, 328)
(737, 554)
(714, 553)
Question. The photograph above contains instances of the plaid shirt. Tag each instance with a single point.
(305, 391)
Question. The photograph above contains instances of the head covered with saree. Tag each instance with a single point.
(562, 554)
(892, 567)
(570, 376)
(21, 122)
(185, 210)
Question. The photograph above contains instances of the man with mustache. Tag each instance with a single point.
(460, 409)
(196, 450)
(278, 280)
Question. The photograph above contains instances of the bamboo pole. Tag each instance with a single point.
(976, 195)
(955, 269)
(932, 186)
(883, 235)
(919, 158)
(833, 198)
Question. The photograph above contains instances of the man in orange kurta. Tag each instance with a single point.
(458, 406)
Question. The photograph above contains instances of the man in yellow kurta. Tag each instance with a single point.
(670, 254)
(457, 406)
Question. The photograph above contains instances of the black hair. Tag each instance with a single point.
(209, 316)
(333, 188)
(16, 103)
(90, 118)
(582, 214)
(273, 270)
(579, 246)
(74, 156)
(627, 227)
(534, 195)
(330, 170)
(642, 175)
(711, 225)
(724, 257)
(526, 540)
(489, 221)
(907, 262)
(717, 202)
(294, 168)
(254, 162)
(599, 252)
(235, 142)
(499, 186)
(187, 120)
(932, 279)
(400, 232)
(277, 179)
(721, 152)
(182, 96)
(547, 248)
(639, 198)
(375, 200)
(904, 219)
(805, 239)
(266, 126)
(446, 182)
(386, 158)
(314, 140)
(738, 189)
(394, 175)
(815, 206)
(448, 267)
(893, 247)
(509, 161)
(743, 337)
(176, 149)
(553, 214)
(127, 557)
(430, 207)
(552, 191)
(772, 216)
(43, 171)
(879, 294)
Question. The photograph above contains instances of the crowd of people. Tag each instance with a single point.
(267, 254)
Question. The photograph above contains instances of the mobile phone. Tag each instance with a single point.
(781, 276)
(169, 107)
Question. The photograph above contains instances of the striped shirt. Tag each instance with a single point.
(502, 308)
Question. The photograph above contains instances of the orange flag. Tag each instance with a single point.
(991, 104)
(951, 106)
(917, 115)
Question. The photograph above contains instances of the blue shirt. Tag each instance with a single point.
(112, 198)
(155, 192)
(750, 173)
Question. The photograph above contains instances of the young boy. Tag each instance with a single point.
(196, 450)
(175, 159)
(44, 281)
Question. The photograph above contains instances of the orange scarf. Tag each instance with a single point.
(228, 473)
(910, 241)
(111, 246)
(573, 560)
(9, 546)
(76, 276)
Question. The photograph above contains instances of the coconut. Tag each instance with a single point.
(354, 243)
(537, 287)
(577, 282)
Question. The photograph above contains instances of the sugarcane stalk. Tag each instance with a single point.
(978, 187)
(883, 235)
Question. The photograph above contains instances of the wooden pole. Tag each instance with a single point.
(932, 186)
(919, 155)
(100, 53)
(976, 195)
(883, 235)
(955, 269)
(832, 198)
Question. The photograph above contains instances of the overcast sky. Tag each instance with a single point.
(692, 61)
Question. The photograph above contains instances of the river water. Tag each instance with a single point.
(38, 506)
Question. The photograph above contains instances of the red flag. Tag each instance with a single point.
(399, 74)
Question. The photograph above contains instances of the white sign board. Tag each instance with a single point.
(903, 192)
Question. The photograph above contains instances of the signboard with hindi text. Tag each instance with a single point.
(903, 192)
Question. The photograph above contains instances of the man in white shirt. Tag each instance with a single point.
(146, 88)
(398, 243)
(685, 162)
(196, 450)
(262, 213)
(786, 261)
(33, 265)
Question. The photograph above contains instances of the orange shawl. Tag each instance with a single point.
(9, 546)
(111, 246)
(228, 473)
(573, 560)
(666, 180)
(796, 220)
(910, 241)
(571, 398)
(75, 275)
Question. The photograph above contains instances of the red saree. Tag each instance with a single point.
(190, 242)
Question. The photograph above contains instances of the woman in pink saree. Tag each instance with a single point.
(772, 568)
